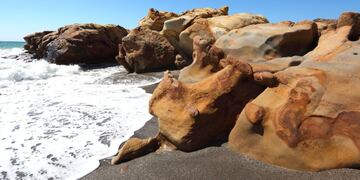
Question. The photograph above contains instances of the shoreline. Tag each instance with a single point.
(214, 162)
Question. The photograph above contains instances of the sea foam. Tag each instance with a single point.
(58, 121)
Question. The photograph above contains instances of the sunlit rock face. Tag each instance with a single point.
(144, 50)
(282, 93)
(215, 27)
(269, 41)
(173, 27)
(155, 19)
(311, 119)
(77, 44)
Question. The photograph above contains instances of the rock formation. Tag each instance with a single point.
(269, 41)
(145, 50)
(77, 43)
(155, 19)
(173, 27)
(311, 119)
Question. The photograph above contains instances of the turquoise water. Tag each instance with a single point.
(11, 44)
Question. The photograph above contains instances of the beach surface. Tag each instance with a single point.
(215, 162)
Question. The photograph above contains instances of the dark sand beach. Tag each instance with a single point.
(215, 162)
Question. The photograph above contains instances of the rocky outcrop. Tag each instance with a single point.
(213, 28)
(77, 43)
(36, 43)
(269, 41)
(173, 27)
(155, 19)
(207, 61)
(144, 50)
(208, 103)
(311, 119)
(325, 25)
(279, 92)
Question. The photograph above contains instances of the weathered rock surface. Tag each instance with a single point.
(144, 50)
(173, 27)
(207, 62)
(194, 115)
(288, 96)
(155, 19)
(269, 41)
(325, 25)
(215, 27)
(311, 119)
(36, 43)
(77, 43)
(135, 147)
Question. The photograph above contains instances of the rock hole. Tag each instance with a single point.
(355, 53)
(295, 63)
(258, 128)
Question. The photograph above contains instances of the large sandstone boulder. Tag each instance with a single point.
(36, 43)
(144, 50)
(173, 27)
(77, 43)
(311, 119)
(215, 27)
(269, 41)
(194, 115)
(155, 19)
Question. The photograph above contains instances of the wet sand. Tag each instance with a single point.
(216, 162)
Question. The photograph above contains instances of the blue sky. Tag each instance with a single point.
(21, 17)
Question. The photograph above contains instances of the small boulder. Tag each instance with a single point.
(135, 147)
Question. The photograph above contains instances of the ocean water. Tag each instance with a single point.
(57, 121)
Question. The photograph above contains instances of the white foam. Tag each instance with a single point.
(58, 121)
(11, 51)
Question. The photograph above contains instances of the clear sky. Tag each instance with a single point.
(21, 17)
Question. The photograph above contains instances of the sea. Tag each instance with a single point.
(57, 121)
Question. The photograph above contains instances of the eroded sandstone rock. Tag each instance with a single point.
(135, 147)
(36, 43)
(269, 41)
(194, 115)
(155, 19)
(215, 27)
(173, 27)
(145, 50)
(207, 62)
(77, 43)
(311, 119)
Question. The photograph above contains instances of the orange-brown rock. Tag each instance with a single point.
(135, 147)
(207, 61)
(269, 41)
(36, 43)
(173, 27)
(325, 25)
(194, 115)
(215, 27)
(155, 19)
(77, 44)
(311, 119)
(144, 50)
